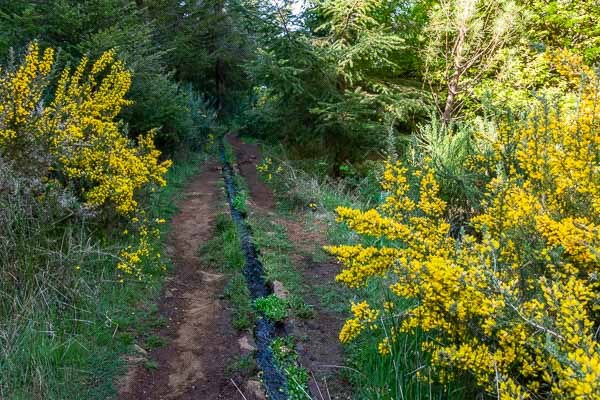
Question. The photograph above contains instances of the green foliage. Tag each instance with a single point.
(239, 201)
(59, 24)
(565, 24)
(395, 376)
(522, 67)
(301, 183)
(341, 87)
(223, 251)
(64, 318)
(93, 27)
(300, 307)
(287, 360)
(230, 158)
(208, 43)
(272, 307)
(371, 376)
(237, 293)
(155, 341)
(465, 38)
(348, 68)
(244, 365)
(451, 151)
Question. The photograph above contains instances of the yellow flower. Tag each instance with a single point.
(81, 137)
(514, 304)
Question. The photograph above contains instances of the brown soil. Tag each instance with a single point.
(248, 156)
(318, 345)
(201, 340)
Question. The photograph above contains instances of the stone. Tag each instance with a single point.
(280, 291)
(255, 390)
(247, 344)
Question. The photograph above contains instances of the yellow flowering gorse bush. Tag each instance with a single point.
(76, 140)
(21, 91)
(90, 145)
(515, 303)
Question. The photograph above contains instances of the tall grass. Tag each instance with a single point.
(64, 317)
(373, 376)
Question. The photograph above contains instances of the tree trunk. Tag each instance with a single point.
(454, 82)
(451, 98)
(219, 62)
(220, 82)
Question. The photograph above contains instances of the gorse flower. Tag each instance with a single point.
(90, 147)
(78, 129)
(267, 169)
(515, 304)
(21, 91)
(76, 136)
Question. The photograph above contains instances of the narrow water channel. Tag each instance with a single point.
(264, 330)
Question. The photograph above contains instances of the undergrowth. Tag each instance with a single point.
(275, 251)
(297, 376)
(63, 328)
(272, 307)
(314, 197)
(224, 252)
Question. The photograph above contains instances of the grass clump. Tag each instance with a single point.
(272, 307)
(223, 251)
(64, 314)
(300, 307)
(244, 365)
(275, 249)
(155, 341)
(286, 359)
(238, 294)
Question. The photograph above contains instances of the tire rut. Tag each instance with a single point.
(201, 340)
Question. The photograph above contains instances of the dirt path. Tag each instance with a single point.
(320, 349)
(248, 156)
(318, 344)
(201, 340)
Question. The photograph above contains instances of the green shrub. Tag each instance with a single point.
(239, 202)
(272, 307)
(297, 376)
(183, 117)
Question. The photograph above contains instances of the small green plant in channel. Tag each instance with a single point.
(272, 307)
(239, 202)
(286, 358)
